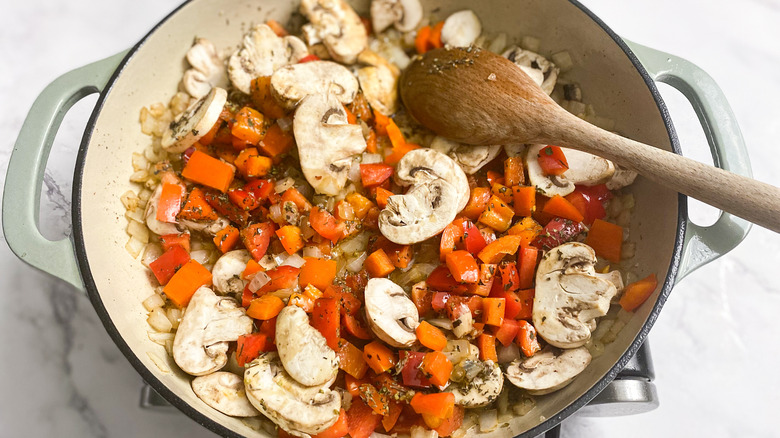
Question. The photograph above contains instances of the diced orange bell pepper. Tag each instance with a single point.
(638, 292)
(606, 239)
(209, 171)
(186, 281)
(495, 251)
(431, 336)
(378, 357)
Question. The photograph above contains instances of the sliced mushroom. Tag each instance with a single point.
(150, 216)
(621, 178)
(224, 392)
(300, 410)
(439, 190)
(206, 226)
(380, 86)
(337, 25)
(515, 150)
(470, 158)
(292, 83)
(482, 389)
(209, 324)
(226, 273)
(207, 69)
(461, 29)
(404, 14)
(569, 296)
(326, 142)
(195, 122)
(584, 168)
(261, 54)
(536, 66)
(548, 370)
(303, 350)
(390, 314)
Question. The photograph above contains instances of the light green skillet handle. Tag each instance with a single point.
(704, 244)
(22, 192)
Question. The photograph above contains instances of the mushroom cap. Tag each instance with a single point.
(536, 66)
(621, 178)
(569, 296)
(206, 226)
(461, 29)
(338, 26)
(439, 191)
(226, 273)
(300, 410)
(404, 14)
(290, 84)
(303, 350)
(390, 314)
(380, 86)
(470, 158)
(207, 70)
(210, 322)
(195, 122)
(224, 392)
(326, 141)
(263, 52)
(482, 389)
(548, 370)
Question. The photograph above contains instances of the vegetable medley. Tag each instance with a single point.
(324, 262)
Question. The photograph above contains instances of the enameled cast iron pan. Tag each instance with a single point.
(618, 77)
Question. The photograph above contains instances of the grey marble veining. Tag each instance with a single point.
(715, 344)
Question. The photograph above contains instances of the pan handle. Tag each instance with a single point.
(22, 191)
(704, 244)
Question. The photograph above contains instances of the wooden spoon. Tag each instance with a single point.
(477, 97)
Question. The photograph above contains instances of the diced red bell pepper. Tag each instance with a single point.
(507, 332)
(553, 161)
(325, 224)
(557, 232)
(220, 202)
(473, 240)
(170, 240)
(170, 202)
(441, 279)
(260, 188)
(243, 199)
(362, 420)
(526, 259)
(167, 264)
(249, 347)
(340, 428)
(589, 200)
(423, 299)
(439, 300)
(356, 325)
(325, 318)
(375, 174)
(257, 237)
(510, 279)
(309, 58)
(282, 277)
(410, 373)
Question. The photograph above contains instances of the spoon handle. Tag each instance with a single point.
(747, 198)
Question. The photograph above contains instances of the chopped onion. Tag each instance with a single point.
(151, 253)
(283, 293)
(139, 161)
(371, 158)
(457, 350)
(294, 260)
(354, 171)
(201, 256)
(153, 302)
(138, 230)
(498, 43)
(160, 338)
(444, 323)
(312, 251)
(417, 273)
(306, 230)
(159, 321)
(267, 262)
(488, 420)
(378, 435)
(280, 258)
(421, 432)
(130, 200)
(134, 246)
(502, 404)
(160, 363)
(139, 176)
(563, 61)
(174, 315)
(283, 184)
(356, 264)
(359, 243)
(275, 213)
(259, 280)
(530, 43)
(135, 215)
(508, 353)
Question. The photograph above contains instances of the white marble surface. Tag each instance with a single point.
(715, 344)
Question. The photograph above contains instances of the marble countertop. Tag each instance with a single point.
(715, 344)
